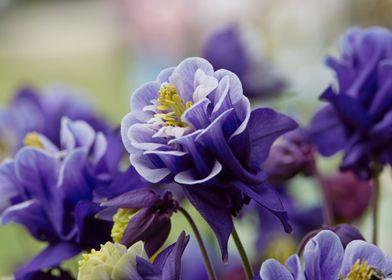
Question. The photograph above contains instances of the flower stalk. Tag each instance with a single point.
(203, 250)
(245, 260)
(376, 200)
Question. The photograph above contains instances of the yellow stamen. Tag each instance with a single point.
(361, 271)
(108, 253)
(32, 139)
(121, 220)
(171, 101)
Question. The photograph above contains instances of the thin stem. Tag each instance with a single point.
(376, 200)
(327, 204)
(203, 250)
(244, 257)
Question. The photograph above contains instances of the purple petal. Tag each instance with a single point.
(273, 270)
(265, 126)
(212, 206)
(323, 256)
(147, 168)
(327, 131)
(141, 198)
(50, 257)
(143, 97)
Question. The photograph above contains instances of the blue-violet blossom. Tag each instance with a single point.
(194, 126)
(358, 119)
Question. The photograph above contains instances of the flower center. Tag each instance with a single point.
(32, 139)
(121, 220)
(362, 271)
(172, 105)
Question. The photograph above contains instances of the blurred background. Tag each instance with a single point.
(106, 49)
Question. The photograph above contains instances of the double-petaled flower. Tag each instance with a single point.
(358, 118)
(326, 259)
(115, 262)
(55, 191)
(194, 126)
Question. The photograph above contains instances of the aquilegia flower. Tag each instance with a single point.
(32, 111)
(228, 49)
(115, 262)
(359, 116)
(194, 126)
(292, 154)
(55, 192)
(325, 259)
(141, 215)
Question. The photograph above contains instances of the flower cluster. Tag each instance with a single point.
(191, 134)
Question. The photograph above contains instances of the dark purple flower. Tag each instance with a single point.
(294, 153)
(32, 111)
(193, 126)
(349, 196)
(326, 259)
(141, 215)
(55, 192)
(358, 118)
(228, 49)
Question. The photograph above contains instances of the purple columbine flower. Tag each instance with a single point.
(228, 49)
(358, 119)
(293, 154)
(141, 215)
(326, 259)
(32, 111)
(55, 192)
(194, 126)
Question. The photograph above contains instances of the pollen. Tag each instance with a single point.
(107, 254)
(32, 139)
(121, 220)
(361, 271)
(171, 105)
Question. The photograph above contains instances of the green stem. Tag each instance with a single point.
(244, 257)
(207, 261)
(376, 200)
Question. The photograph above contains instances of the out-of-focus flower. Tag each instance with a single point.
(228, 49)
(142, 215)
(347, 233)
(349, 196)
(55, 192)
(31, 111)
(325, 258)
(194, 126)
(290, 156)
(115, 262)
(358, 119)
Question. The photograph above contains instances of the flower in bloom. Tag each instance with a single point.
(194, 126)
(115, 262)
(55, 192)
(349, 196)
(294, 153)
(141, 215)
(326, 259)
(358, 117)
(228, 49)
(31, 111)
